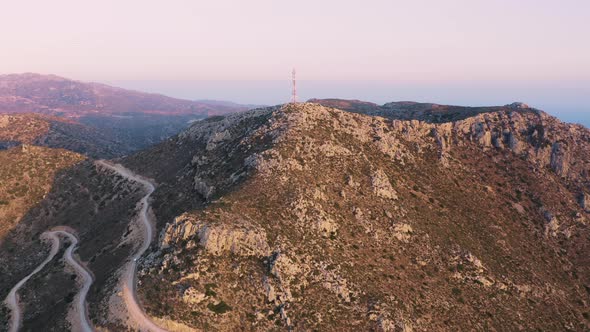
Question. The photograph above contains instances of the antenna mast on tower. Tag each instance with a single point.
(294, 94)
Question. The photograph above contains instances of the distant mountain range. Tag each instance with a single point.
(50, 94)
(130, 120)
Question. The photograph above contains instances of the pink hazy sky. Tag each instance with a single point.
(421, 40)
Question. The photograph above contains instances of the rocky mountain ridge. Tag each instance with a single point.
(348, 221)
(409, 110)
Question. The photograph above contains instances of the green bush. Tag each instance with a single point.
(219, 308)
(209, 290)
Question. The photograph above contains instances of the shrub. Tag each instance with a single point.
(219, 308)
(209, 290)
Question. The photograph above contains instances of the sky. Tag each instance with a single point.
(470, 52)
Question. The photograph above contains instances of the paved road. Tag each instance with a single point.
(12, 298)
(129, 282)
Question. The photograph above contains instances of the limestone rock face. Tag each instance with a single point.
(402, 232)
(513, 143)
(560, 159)
(202, 188)
(552, 224)
(238, 241)
(310, 214)
(482, 134)
(584, 200)
(382, 186)
(283, 267)
(191, 296)
(442, 135)
(239, 238)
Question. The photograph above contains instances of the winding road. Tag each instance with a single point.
(81, 308)
(129, 281)
(129, 278)
(80, 305)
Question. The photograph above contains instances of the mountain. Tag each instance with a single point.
(307, 217)
(55, 95)
(133, 119)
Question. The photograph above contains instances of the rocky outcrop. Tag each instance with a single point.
(552, 224)
(560, 159)
(382, 186)
(402, 232)
(584, 200)
(202, 188)
(191, 296)
(518, 105)
(308, 213)
(238, 238)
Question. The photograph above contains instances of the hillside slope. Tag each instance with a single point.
(91, 202)
(308, 217)
(56, 132)
(26, 176)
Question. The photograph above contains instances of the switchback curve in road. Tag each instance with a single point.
(12, 298)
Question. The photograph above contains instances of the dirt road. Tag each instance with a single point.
(129, 281)
(82, 321)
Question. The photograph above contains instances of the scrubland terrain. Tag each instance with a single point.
(307, 217)
(319, 219)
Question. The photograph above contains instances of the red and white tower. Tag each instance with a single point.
(294, 93)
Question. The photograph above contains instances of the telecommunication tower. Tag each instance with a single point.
(294, 93)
